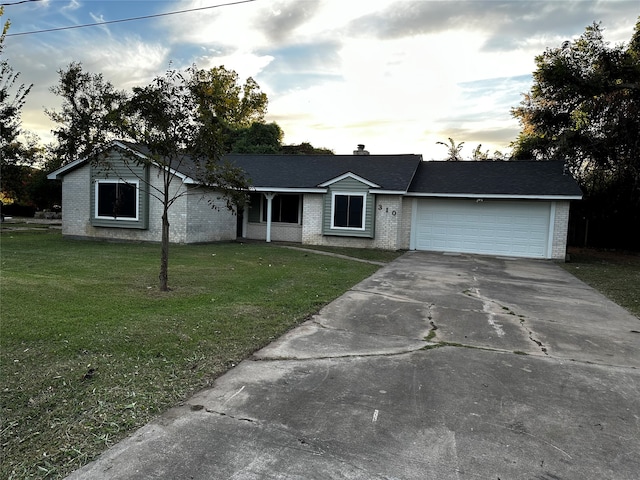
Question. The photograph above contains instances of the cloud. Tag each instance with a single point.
(509, 24)
(302, 66)
(124, 61)
(284, 17)
(395, 75)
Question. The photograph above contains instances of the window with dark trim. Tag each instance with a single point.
(284, 209)
(117, 200)
(348, 211)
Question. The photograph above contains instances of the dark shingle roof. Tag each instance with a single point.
(494, 178)
(398, 173)
(390, 172)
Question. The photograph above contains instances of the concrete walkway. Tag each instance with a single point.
(436, 367)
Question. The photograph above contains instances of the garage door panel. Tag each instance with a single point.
(517, 228)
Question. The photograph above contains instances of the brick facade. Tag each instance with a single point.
(388, 219)
(198, 215)
(191, 217)
(280, 232)
(560, 229)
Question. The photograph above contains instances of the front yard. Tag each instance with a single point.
(90, 349)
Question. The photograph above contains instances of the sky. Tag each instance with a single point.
(395, 75)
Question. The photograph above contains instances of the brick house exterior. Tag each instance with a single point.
(390, 202)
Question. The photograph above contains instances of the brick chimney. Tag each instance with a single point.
(361, 150)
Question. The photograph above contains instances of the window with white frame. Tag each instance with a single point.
(348, 210)
(117, 199)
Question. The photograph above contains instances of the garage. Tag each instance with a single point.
(518, 228)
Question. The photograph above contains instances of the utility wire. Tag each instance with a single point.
(7, 4)
(128, 19)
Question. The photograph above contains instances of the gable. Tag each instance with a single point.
(349, 180)
(340, 194)
(124, 182)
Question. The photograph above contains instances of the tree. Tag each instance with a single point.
(225, 104)
(19, 178)
(584, 109)
(220, 95)
(165, 117)
(181, 117)
(14, 157)
(453, 154)
(478, 154)
(88, 103)
(304, 148)
(258, 138)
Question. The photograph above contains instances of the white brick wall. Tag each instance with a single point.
(560, 229)
(191, 218)
(312, 207)
(208, 218)
(388, 221)
(76, 203)
(280, 232)
(404, 230)
(389, 217)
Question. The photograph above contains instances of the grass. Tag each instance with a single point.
(91, 350)
(615, 274)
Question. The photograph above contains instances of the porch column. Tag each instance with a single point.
(269, 197)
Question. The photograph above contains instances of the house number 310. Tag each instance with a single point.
(393, 212)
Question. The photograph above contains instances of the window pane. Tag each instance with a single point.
(106, 199)
(289, 208)
(284, 209)
(116, 200)
(126, 201)
(355, 211)
(340, 211)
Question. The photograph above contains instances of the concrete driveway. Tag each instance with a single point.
(436, 367)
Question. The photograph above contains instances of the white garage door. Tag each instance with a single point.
(495, 227)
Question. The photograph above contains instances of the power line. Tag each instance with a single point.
(127, 19)
(7, 4)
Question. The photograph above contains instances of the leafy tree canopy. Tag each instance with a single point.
(584, 106)
(304, 148)
(584, 109)
(258, 138)
(222, 98)
(88, 104)
(16, 157)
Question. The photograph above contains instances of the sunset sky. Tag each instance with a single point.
(397, 76)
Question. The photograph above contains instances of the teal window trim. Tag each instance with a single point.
(362, 216)
(117, 182)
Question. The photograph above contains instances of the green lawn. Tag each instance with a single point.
(90, 349)
(615, 274)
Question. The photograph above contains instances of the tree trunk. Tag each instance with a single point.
(164, 253)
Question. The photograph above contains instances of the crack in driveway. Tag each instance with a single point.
(489, 307)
